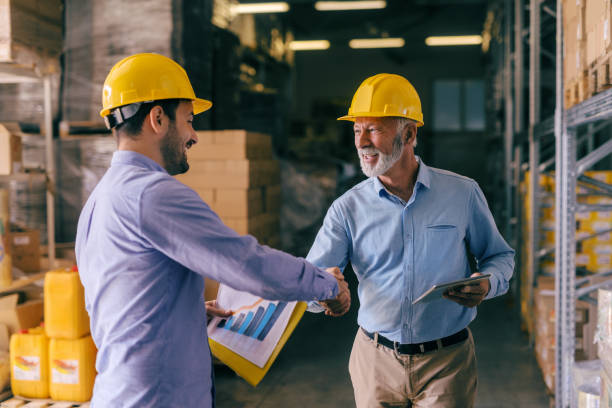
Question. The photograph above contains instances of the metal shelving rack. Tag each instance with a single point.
(593, 114)
(12, 74)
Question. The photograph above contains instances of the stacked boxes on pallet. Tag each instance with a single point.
(604, 344)
(575, 80)
(592, 255)
(235, 173)
(545, 341)
(587, 40)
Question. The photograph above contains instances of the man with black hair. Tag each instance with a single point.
(145, 242)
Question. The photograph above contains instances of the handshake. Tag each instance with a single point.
(342, 302)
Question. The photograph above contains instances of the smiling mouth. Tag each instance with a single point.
(369, 156)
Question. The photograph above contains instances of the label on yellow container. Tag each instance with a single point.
(27, 368)
(65, 371)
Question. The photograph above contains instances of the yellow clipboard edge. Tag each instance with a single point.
(252, 373)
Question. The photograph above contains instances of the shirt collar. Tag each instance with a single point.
(423, 178)
(135, 159)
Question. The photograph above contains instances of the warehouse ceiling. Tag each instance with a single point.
(412, 20)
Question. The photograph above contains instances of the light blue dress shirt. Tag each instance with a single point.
(144, 243)
(399, 250)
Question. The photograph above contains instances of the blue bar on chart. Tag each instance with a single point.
(277, 312)
(238, 322)
(244, 326)
(269, 312)
(255, 322)
(256, 325)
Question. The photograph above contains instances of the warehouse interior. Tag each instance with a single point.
(515, 95)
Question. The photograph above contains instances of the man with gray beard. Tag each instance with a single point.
(404, 229)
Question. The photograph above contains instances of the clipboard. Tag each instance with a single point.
(243, 367)
(436, 291)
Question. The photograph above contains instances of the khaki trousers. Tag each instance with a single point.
(445, 378)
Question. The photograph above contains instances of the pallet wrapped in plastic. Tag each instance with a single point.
(603, 335)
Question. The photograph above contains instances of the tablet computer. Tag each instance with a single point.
(436, 291)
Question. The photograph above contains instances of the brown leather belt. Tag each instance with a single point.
(419, 348)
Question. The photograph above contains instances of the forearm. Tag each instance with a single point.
(501, 268)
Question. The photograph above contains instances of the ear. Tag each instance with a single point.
(409, 132)
(158, 120)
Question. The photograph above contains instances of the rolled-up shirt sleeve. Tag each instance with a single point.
(330, 247)
(175, 221)
(493, 254)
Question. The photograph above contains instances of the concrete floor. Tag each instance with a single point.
(312, 369)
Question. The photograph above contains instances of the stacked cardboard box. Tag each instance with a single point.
(545, 341)
(98, 34)
(30, 39)
(574, 39)
(594, 254)
(604, 344)
(235, 173)
(25, 244)
(588, 46)
(10, 149)
(29, 24)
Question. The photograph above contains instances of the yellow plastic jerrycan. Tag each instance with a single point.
(65, 314)
(73, 369)
(30, 363)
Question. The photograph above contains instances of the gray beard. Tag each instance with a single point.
(385, 161)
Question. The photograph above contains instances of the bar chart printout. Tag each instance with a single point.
(255, 327)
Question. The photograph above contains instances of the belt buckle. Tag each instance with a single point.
(422, 347)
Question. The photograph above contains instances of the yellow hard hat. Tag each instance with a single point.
(385, 95)
(147, 77)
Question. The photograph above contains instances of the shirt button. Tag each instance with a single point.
(405, 327)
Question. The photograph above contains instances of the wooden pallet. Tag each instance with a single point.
(19, 402)
(577, 90)
(600, 77)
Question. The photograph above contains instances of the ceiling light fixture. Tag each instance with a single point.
(454, 40)
(350, 5)
(309, 45)
(257, 8)
(377, 43)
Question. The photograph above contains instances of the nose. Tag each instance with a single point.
(194, 136)
(362, 139)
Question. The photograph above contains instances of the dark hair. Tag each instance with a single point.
(133, 126)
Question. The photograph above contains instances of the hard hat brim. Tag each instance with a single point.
(351, 118)
(199, 106)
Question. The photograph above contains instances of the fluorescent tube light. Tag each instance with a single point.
(256, 8)
(350, 5)
(454, 40)
(376, 43)
(309, 45)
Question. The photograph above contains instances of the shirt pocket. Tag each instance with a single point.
(443, 247)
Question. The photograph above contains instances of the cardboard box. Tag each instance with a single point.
(239, 202)
(211, 287)
(231, 145)
(207, 195)
(20, 316)
(605, 400)
(260, 226)
(25, 246)
(36, 24)
(10, 150)
(273, 199)
(231, 174)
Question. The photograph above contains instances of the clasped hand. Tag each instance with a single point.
(342, 302)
